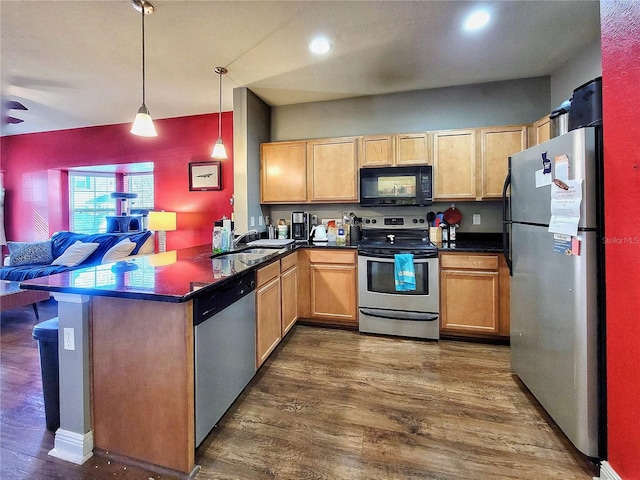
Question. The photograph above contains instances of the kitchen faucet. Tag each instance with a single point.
(245, 234)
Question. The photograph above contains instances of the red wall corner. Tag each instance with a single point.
(620, 31)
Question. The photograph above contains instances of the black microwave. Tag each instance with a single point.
(396, 186)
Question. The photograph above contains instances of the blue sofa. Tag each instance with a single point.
(61, 241)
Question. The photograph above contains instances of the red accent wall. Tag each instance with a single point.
(33, 166)
(620, 30)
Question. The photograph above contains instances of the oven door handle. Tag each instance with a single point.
(400, 315)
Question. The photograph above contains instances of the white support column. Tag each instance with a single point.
(74, 438)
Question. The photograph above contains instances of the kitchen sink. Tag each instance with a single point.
(251, 256)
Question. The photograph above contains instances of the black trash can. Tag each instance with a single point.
(46, 333)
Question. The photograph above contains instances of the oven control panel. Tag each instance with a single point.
(403, 221)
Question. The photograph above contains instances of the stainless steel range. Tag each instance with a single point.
(382, 308)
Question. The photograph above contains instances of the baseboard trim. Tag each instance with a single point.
(72, 447)
(607, 472)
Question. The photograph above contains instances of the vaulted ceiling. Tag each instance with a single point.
(78, 63)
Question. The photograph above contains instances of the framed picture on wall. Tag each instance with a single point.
(205, 176)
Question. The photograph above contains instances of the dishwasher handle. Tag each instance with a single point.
(207, 305)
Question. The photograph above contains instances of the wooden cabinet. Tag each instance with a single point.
(468, 164)
(289, 291)
(541, 131)
(276, 304)
(283, 172)
(376, 151)
(268, 311)
(454, 165)
(323, 171)
(328, 286)
(412, 149)
(474, 295)
(472, 164)
(497, 144)
(394, 150)
(333, 170)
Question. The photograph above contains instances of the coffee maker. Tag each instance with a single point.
(300, 226)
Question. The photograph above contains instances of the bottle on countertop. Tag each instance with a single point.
(226, 234)
(445, 232)
(224, 244)
(217, 240)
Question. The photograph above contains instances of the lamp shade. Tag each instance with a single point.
(143, 124)
(218, 150)
(162, 221)
(163, 258)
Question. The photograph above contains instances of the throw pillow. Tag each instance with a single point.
(148, 247)
(118, 251)
(76, 254)
(29, 253)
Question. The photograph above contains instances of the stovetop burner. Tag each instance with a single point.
(403, 233)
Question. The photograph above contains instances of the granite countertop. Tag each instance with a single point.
(174, 276)
(182, 275)
(474, 242)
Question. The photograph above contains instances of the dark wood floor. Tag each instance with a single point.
(328, 404)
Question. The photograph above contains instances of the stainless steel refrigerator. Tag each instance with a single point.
(557, 298)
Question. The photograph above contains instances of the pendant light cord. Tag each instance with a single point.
(143, 59)
(220, 108)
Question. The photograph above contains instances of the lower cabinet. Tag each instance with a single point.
(331, 288)
(474, 295)
(276, 304)
(289, 291)
(268, 311)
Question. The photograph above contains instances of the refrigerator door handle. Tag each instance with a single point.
(506, 220)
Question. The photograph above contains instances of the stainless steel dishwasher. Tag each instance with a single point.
(225, 349)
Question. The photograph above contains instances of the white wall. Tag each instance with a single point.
(497, 103)
(582, 68)
(251, 122)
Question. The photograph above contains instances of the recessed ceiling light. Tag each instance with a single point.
(477, 20)
(320, 46)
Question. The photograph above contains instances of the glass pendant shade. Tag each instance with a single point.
(218, 150)
(143, 124)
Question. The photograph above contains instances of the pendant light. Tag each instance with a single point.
(218, 149)
(143, 123)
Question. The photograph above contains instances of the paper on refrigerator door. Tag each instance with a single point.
(565, 207)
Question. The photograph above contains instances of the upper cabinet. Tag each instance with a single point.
(472, 164)
(541, 131)
(333, 170)
(376, 151)
(394, 150)
(283, 172)
(468, 164)
(497, 145)
(412, 149)
(454, 165)
(322, 171)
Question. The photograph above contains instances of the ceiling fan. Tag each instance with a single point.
(14, 105)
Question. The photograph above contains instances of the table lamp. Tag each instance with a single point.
(162, 222)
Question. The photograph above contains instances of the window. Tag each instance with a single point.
(142, 184)
(90, 201)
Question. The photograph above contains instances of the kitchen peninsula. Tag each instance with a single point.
(127, 356)
(129, 339)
